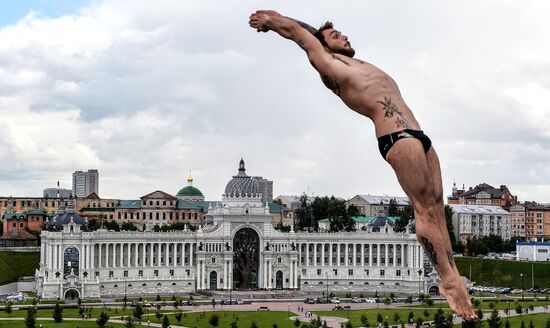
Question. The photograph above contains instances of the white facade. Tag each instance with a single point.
(236, 247)
(140, 263)
(533, 251)
(479, 221)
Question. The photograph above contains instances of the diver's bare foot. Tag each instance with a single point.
(459, 301)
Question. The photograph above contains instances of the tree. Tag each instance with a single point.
(130, 323)
(102, 319)
(253, 325)
(450, 229)
(165, 322)
(419, 322)
(531, 324)
(507, 324)
(522, 324)
(157, 298)
(138, 311)
(379, 318)
(519, 309)
(296, 323)
(439, 319)
(348, 324)
(479, 314)
(57, 313)
(158, 315)
(233, 325)
(364, 320)
(468, 324)
(411, 316)
(303, 213)
(387, 301)
(409, 300)
(8, 308)
(396, 317)
(494, 320)
(178, 316)
(30, 319)
(214, 320)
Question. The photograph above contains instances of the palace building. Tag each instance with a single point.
(236, 248)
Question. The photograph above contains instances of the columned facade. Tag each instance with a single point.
(237, 248)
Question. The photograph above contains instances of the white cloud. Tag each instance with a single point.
(147, 95)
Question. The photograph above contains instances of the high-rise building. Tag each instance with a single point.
(85, 183)
(265, 187)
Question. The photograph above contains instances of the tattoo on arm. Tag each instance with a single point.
(430, 250)
(451, 258)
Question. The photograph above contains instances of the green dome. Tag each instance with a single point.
(190, 191)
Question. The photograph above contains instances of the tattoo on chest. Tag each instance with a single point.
(430, 250)
(390, 109)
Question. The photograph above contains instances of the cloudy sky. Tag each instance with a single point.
(148, 91)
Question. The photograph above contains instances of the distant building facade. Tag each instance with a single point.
(85, 183)
(374, 205)
(531, 221)
(57, 193)
(533, 251)
(483, 194)
(24, 204)
(480, 221)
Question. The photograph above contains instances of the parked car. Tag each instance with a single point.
(263, 308)
(370, 300)
(191, 303)
(356, 300)
(335, 300)
(309, 301)
(225, 302)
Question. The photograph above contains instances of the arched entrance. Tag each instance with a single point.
(434, 290)
(72, 294)
(279, 280)
(213, 280)
(246, 259)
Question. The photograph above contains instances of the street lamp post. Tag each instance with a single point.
(327, 286)
(522, 286)
(419, 282)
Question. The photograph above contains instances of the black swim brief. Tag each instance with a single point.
(387, 141)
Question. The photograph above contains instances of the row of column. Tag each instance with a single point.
(409, 254)
(137, 254)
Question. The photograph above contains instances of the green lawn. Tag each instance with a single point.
(73, 313)
(539, 321)
(372, 314)
(503, 273)
(64, 324)
(15, 264)
(264, 319)
(500, 305)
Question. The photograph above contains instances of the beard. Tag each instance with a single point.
(348, 52)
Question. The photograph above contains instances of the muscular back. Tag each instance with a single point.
(369, 91)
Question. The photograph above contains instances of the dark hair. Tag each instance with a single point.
(319, 34)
